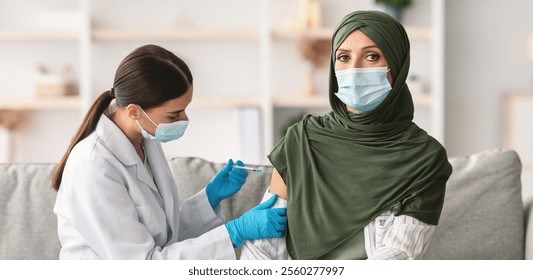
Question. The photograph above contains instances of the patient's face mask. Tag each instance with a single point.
(363, 88)
(165, 132)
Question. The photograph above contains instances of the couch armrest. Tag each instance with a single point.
(528, 238)
(470, 228)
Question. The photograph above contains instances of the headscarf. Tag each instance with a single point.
(342, 169)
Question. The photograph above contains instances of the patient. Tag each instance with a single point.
(363, 181)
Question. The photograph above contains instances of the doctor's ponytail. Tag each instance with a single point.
(87, 127)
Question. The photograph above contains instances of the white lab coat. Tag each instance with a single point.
(108, 206)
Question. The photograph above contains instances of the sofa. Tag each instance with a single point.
(484, 215)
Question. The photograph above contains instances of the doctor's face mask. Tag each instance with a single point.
(165, 132)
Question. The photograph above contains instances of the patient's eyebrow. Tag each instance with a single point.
(343, 50)
(369, 46)
(363, 48)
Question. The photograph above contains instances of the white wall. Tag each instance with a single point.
(485, 57)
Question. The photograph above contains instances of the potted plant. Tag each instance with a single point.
(394, 7)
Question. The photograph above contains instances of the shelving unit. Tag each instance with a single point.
(322, 101)
(225, 103)
(32, 36)
(125, 35)
(260, 42)
(415, 33)
(68, 103)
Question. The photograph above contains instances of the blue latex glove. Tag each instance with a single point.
(226, 183)
(261, 221)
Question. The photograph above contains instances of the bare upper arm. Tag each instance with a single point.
(277, 185)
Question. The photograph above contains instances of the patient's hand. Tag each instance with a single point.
(277, 185)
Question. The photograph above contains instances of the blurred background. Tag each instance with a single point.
(259, 65)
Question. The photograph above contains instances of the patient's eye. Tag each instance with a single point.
(343, 57)
(372, 57)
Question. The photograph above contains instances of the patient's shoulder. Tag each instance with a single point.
(277, 185)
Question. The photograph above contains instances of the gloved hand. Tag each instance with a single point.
(226, 183)
(259, 222)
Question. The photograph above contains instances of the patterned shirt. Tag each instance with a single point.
(387, 237)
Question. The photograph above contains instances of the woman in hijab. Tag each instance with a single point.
(363, 181)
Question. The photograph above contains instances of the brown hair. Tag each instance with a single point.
(149, 76)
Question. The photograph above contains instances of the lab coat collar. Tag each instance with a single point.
(117, 142)
(164, 180)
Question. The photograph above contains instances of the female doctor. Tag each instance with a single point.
(116, 195)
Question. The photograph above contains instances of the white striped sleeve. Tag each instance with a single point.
(266, 249)
(396, 237)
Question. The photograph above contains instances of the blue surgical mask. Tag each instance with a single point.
(165, 132)
(363, 88)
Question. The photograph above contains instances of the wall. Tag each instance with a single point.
(485, 57)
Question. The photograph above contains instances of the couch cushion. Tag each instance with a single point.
(192, 175)
(28, 226)
(483, 216)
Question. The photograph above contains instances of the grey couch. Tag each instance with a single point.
(484, 216)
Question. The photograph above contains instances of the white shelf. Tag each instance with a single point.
(220, 102)
(322, 101)
(318, 33)
(124, 35)
(317, 101)
(418, 33)
(423, 99)
(29, 35)
(74, 102)
(202, 102)
(413, 32)
(59, 103)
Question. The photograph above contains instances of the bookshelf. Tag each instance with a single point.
(251, 45)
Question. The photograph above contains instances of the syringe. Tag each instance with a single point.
(248, 168)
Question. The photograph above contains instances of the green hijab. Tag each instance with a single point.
(342, 169)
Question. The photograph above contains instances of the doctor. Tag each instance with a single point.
(116, 195)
